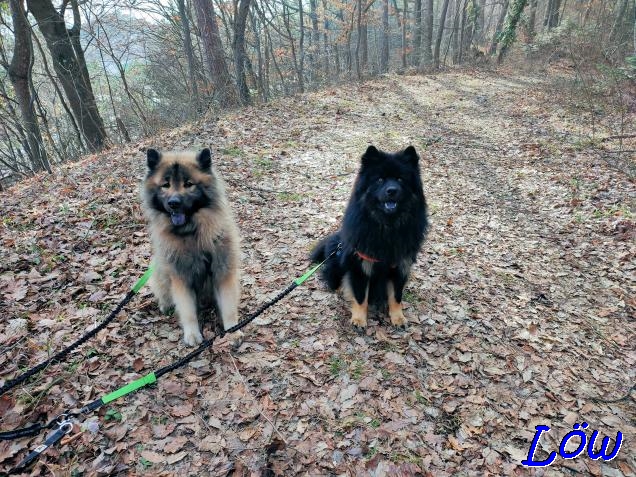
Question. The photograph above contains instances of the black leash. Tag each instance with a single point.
(63, 422)
(58, 357)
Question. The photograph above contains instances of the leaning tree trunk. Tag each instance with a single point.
(20, 76)
(70, 65)
(509, 32)
(238, 47)
(189, 52)
(440, 33)
(384, 44)
(206, 18)
(500, 22)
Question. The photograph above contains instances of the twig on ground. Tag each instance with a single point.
(258, 406)
(624, 398)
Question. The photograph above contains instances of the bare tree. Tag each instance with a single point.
(426, 56)
(225, 92)
(241, 10)
(552, 14)
(20, 75)
(384, 45)
(189, 51)
(70, 65)
(440, 33)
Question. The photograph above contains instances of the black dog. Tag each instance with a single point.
(382, 231)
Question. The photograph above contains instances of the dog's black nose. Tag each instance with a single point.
(391, 191)
(174, 202)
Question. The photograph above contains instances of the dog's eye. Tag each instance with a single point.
(165, 185)
(399, 179)
(188, 184)
(380, 180)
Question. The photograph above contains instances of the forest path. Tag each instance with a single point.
(521, 304)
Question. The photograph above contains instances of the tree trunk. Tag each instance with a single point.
(364, 41)
(20, 76)
(532, 19)
(315, 36)
(301, 47)
(462, 34)
(619, 21)
(404, 20)
(189, 52)
(225, 92)
(325, 39)
(427, 35)
(552, 14)
(359, 37)
(440, 33)
(70, 65)
(238, 48)
(417, 34)
(384, 43)
(498, 28)
(509, 31)
(481, 22)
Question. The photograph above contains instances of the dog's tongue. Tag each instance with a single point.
(177, 218)
(390, 205)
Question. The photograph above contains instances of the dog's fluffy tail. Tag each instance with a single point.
(332, 271)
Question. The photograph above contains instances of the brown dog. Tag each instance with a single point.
(194, 237)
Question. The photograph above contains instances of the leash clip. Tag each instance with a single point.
(64, 427)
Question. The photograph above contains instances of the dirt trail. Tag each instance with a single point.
(521, 304)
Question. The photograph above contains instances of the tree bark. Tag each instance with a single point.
(189, 52)
(225, 92)
(440, 33)
(70, 65)
(552, 14)
(301, 47)
(20, 75)
(498, 28)
(238, 47)
(427, 35)
(359, 37)
(509, 31)
(417, 34)
(315, 36)
(532, 19)
(384, 43)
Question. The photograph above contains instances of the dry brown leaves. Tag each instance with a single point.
(521, 305)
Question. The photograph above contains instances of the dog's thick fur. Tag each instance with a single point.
(382, 231)
(194, 238)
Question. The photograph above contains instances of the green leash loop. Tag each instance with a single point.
(310, 272)
(130, 387)
(142, 281)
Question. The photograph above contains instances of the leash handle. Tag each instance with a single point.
(65, 426)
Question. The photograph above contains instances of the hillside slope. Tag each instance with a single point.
(521, 304)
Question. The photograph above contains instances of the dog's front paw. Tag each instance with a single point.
(359, 317)
(236, 339)
(192, 336)
(397, 317)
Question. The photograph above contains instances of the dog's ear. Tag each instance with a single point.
(153, 157)
(204, 158)
(371, 156)
(411, 155)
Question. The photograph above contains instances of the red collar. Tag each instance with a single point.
(366, 257)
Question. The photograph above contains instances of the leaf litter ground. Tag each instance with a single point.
(521, 305)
